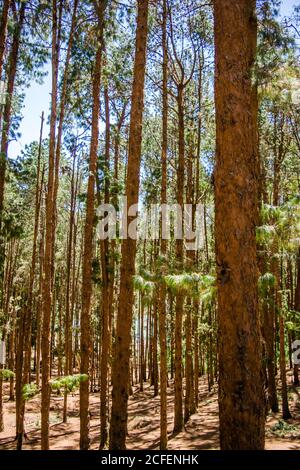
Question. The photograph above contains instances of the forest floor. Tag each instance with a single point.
(200, 433)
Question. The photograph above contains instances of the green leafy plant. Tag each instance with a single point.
(29, 391)
(282, 428)
(68, 382)
(7, 374)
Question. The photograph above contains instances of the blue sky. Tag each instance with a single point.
(37, 99)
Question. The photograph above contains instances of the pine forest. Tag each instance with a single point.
(149, 225)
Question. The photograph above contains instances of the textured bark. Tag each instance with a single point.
(269, 329)
(120, 372)
(106, 292)
(284, 394)
(241, 393)
(12, 69)
(154, 349)
(3, 32)
(189, 402)
(196, 352)
(189, 407)
(87, 259)
(26, 366)
(1, 401)
(297, 308)
(178, 411)
(39, 302)
(47, 277)
(62, 108)
(163, 243)
(142, 348)
(68, 320)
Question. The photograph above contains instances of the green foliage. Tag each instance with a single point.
(266, 281)
(194, 285)
(68, 382)
(29, 391)
(265, 234)
(146, 288)
(143, 285)
(280, 227)
(209, 295)
(182, 283)
(270, 213)
(266, 284)
(282, 428)
(7, 374)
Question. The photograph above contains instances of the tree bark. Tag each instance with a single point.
(106, 290)
(47, 278)
(3, 32)
(12, 70)
(120, 372)
(297, 308)
(29, 306)
(87, 259)
(163, 244)
(178, 411)
(241, 393)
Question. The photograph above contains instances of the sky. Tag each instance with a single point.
(37, 99)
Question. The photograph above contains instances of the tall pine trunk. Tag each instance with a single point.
(3, 31)
(47, 276)
(29, 306)
(163, 244)
(241, 393)
(120, 372)
(178, 406)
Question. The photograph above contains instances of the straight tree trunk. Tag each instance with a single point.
(196, 351)
(47, 277)
(12, 70)
(241, 393)
(155, 339)
(3, 32)
(284, 394)
(106, 291)
(178, 405)
(85, 343)
(142, 348)
(120, 372)
(282, 360)
(29, 306)
(163, 244)
(297, 308)
(39, 302)
(68, 324)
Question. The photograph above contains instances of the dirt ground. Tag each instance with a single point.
(200, 433)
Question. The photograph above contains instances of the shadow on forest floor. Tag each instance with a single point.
(200, 432)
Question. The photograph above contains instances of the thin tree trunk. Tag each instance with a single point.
(3, 32)
(163, 243)
(282, 360)
(47, 279)
(106, 282)
(178, 411)
(39, 303)
(28, 309)
(85, 345)
(120, 372)
(12, 69)
(297, 308)
(155, 363)
(196, 351)
(284, 394)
